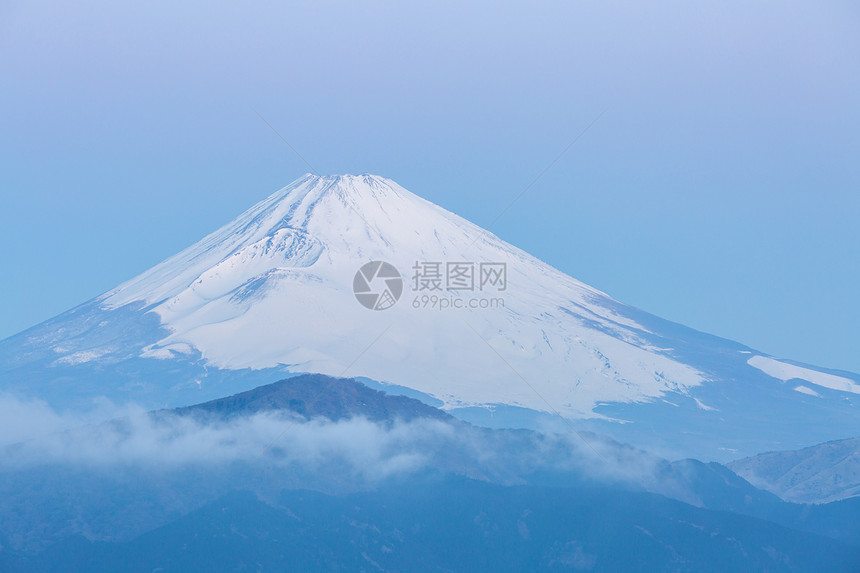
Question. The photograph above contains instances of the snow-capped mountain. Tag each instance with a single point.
(275, 287)
(296, 283)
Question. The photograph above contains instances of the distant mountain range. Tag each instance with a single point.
(821, 473)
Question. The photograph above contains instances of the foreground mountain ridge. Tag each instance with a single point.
(522, 500)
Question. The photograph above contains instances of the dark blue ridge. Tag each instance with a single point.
(317, 395)
(454, 525)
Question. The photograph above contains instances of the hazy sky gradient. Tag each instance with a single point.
(721, 188)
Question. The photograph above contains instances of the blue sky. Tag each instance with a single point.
(720, 189)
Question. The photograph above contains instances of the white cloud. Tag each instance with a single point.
(357, 450)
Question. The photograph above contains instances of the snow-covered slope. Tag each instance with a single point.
(273, 291)
(275, 287)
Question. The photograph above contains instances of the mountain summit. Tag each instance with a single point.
(353, 275)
